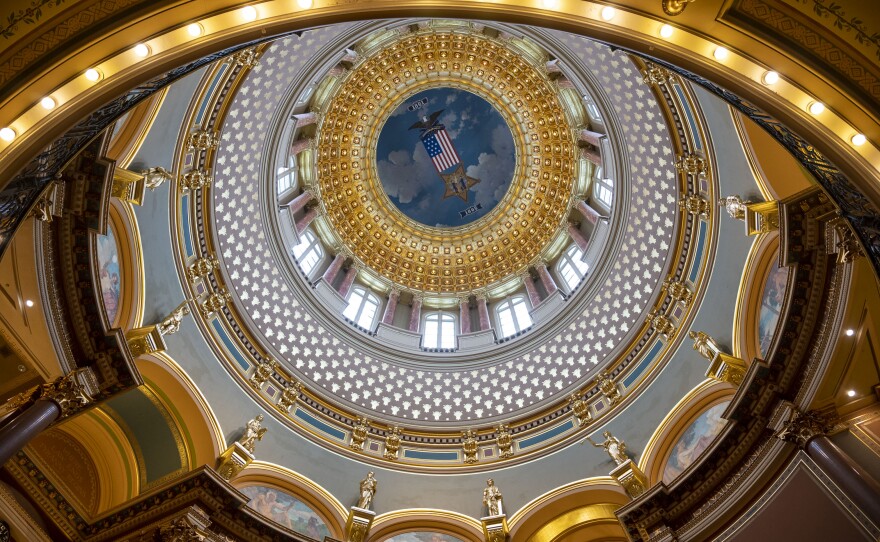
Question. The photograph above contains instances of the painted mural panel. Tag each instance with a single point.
(108, 271)
(694, 441)
(771, 304)
(286, 510)
(423, 536)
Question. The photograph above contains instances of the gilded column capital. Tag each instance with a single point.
(67, 392)
(801, 427)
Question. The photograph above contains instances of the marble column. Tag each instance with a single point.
(300, 145)
(532, 292)
(348, 280)
(590, 137)
(333, 269)
(858, 484)
(390, 307)
(28, 424)
(305, 119)
(415, 315)
(546, 279)
(464, 315)
(592, 215)
(306, 219)
(483, 309)
(575, 233)
(592, 155)
(300, 201)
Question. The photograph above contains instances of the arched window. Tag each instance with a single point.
(513, 316)
(593, 111)
(285, 176)
(439, 331)
(571, 266)
(362, 307)
(308, 252)
(603, 188)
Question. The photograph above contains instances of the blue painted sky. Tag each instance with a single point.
(483, 142)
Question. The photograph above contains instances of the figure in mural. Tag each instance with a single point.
(286, 510)
(253, 432)
(492, 498)
(369, 485)
(696, 438)
(613, 446)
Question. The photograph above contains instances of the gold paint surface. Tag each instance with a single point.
(446, 260)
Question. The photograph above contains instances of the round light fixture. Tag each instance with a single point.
(666, 31)
(194, 30)
(550, 4)
(249, 13)
(770, 77)
(849, 332)
(304, 4)
(29, 303)
(92, 74)
(859, 139)
(720, 53)
(608, 13)
(141, 50)
(47, 103)
(851, 393)
(7, 134)
(816, 108)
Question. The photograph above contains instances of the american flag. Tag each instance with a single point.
(440, 149)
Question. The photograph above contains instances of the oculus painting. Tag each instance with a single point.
(445, 157)
(286, 510)
(108, 263)
(771, 304)
(694, 441)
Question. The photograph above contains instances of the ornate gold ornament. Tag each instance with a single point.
(66, 391)
(246, 58)
(630, 478)
(801, 427)
(469, 446)
(194, 180)
(358, 524)
(171, 323)
(580, 408)
(661, 324)
(696, 205)
(202, 140)
(423, 258)
(202, 267)
(289, 395)
(215, 302)
(608, 388)
(678, 291)
(262, 373)
(392, 444)
(359, 434)
(655, 75)
(692, 164)
(493, 499)
(504, 441)
(848, 247)
(495, 528)
(674, 7)
(155, 177)
(180, 530)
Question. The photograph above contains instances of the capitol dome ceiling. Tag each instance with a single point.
(338, 374)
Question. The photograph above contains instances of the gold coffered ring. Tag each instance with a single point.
(437, 260)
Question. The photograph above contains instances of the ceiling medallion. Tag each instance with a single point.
(432, 201)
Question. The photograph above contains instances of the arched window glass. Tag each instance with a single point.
(285, 176)
(439, 331)
(362, 307)
(513, 316)
(571, 266)
(593, 111)
(308, 252)
(603, 190)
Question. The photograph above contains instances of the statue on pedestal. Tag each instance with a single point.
(254, 431)
(615, 447)
(369, 485)
(492, 498)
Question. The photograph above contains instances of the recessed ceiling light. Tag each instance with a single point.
(194, 30)
(304, 4)
(249, 13)
(141, 50)
(849, 332)
(608, 13)
(851, 393)
(770, 77)
(859, 139)
(816, 108)
(550, 4)
(29, 303)
(7, 134)
(47, 103)
(92, 74)
(720, 53)
(666, 31)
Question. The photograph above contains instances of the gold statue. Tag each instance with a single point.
(735, 206)
(392, 444)
(171, 324)
(252, 433)
(369, 485)
(505, 443)
(492, 498)
(469, 446)
(705, 345)
(615, 447)
(359, 434)
(580, 408)
(608, 388)
(155, 176)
